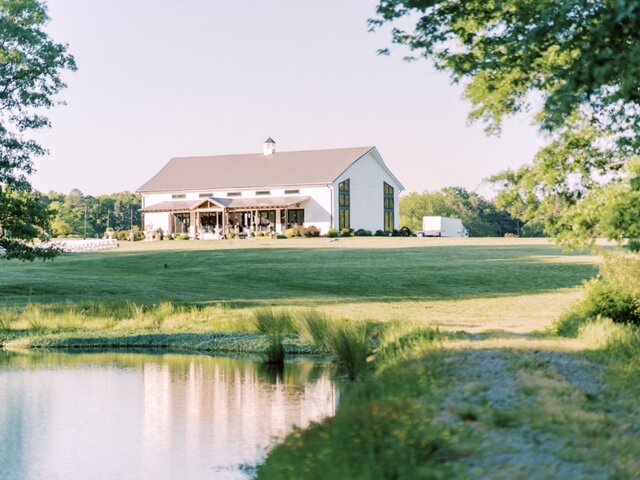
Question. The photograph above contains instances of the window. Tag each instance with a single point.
(388, 207)
(291, 192)
(206, 195)
(344, 204)
(266, 220)
(234, 194)
(294, 217)
(178, 196)
(263, 192)
(181, 222)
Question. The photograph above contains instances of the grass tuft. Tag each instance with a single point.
(273, 322)
(314, 327)
(7, 318)
(349, 343)
(274, 353)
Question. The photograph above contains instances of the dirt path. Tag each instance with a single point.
(529, 408)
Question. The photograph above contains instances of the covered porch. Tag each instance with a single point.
(216, 218)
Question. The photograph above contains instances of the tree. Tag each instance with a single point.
(478, 215)
(30, 68)
(578, 64)
(118, 211)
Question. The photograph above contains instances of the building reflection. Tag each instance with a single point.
(235, 408)
(105, 416)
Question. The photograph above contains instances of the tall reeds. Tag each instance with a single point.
(346, 340)
(274, 322)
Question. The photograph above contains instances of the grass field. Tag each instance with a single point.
(457, 283)
(465, 378)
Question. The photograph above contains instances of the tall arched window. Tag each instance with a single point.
(388, 207)
(344, 204)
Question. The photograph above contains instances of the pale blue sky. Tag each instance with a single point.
(160, 78)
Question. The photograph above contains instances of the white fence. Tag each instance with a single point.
(86, 245)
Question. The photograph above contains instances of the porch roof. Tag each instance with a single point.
(173, 206)
(261, 202)
(231, 203)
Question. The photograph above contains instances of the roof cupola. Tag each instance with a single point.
(269, 146)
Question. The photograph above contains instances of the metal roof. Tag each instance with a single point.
(308, 167)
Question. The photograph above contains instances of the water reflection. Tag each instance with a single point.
(139, 416)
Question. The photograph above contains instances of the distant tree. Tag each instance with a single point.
(24, 217)
(30, 68)
(576, 62)
(118, 211)
(480, 216)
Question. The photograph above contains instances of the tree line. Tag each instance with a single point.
(76, 214)
(481, 217)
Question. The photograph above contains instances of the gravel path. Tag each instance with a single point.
(494, 399)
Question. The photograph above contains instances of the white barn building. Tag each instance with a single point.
(208, 197)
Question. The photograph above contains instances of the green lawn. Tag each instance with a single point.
(469, 284)
(382, 270)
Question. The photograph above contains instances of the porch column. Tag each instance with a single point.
(224, 222)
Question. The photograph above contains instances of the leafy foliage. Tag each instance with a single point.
(30, 67)
(571, 54)
(481, 217)
(118, 211)
(23, 217)
(577, 63)
(615, 295)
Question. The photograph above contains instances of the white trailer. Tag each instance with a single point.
(442, 227)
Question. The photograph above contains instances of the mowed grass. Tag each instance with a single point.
(299, 273)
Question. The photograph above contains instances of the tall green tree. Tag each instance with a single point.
(577, 64)
(30, 76)
(84, 215)
(480, 216)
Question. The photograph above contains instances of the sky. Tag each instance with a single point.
(158, 79)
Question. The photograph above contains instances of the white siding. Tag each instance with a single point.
(155, 220)
(317, 210)
(367, 177)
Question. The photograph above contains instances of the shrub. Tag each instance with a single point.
(182, 236)
(361, 232)
(615, 294)
(346, 232)
(297, 231)
(332, 233)
(380, 233)
(312, 231)
(273, 322)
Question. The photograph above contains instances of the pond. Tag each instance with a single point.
(150, 416)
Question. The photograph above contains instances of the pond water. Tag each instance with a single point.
(142, 416)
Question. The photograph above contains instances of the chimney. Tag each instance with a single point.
(269, 147)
